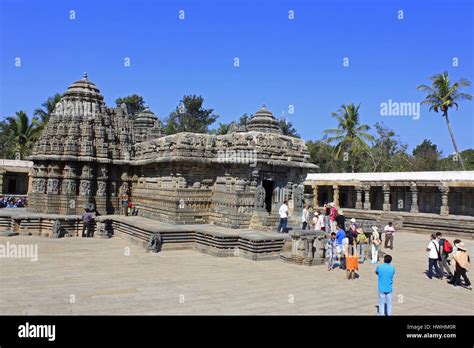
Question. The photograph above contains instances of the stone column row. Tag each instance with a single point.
(366, 205)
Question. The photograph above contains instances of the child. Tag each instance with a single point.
(352, 261)
(331, 251)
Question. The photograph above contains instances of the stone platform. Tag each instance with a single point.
(206, 238)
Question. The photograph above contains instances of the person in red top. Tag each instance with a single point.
(332, 217)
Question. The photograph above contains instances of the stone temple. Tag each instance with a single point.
(92, 154)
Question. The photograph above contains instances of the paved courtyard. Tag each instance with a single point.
(99, 276)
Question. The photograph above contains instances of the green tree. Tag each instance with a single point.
(441, 96)
(190, 116)
(387, 153)
(222, 129)
(322, 154)
(350, 136)
(451, 162)
(287, 128)
(134, 103)
(20, 134)
(244, 119)
(426, 156)
(44, 112)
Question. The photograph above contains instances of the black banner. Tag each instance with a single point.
(225, 330)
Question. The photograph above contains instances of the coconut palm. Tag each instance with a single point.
(21, 134)
(350, 136)
(442, 96)
(47, 109)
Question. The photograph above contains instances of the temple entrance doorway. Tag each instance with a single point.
(268, 186)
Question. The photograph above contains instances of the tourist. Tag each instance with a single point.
(331, 247)
(283, 211)
(375, 244)
(310, 218)
(361, 241)
(332, 217)
(389, 230)
(304, 217)
(315, 225)
(461, 262)
(327, 221)
(352, 264)
(433, 257)
(445, 248)
(353, 229)
(124, 199)
(344, 251)
(341, 219)
(340, 235)
(87, 218)
(385, 273)
(321, 223)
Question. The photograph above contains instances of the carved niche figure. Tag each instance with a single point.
(53, 186)
(85, 188)
(260, 197)
(41, 185)
(298, 197)
(101, 188)
(68, 187)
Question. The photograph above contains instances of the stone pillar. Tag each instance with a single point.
(366, 189)
(444, 210)
(414, 198)
(386, 197)
(336, 195)
(358, 204)
(315, 196)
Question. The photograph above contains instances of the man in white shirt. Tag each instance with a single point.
(283, 211)
(389, 235)
(433, 257)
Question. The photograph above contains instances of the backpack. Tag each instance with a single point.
(447, 247)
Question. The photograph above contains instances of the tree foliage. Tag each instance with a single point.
(443, 96)
(190, 116)
(134, 103)
(19, 135)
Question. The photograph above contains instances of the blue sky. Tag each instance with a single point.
(283, 62)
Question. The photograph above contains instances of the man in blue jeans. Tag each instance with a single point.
(283, 211)
(385, 273)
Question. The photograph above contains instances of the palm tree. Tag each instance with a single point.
(21, 134)
(442, 96)
(350, 135)
(223, 128)
(47, 109)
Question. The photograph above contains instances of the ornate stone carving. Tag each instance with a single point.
(101, 188)
(85, 188)
(52, 186)
(260, 197)
(68, 187)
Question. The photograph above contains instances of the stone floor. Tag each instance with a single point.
(111, 276)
